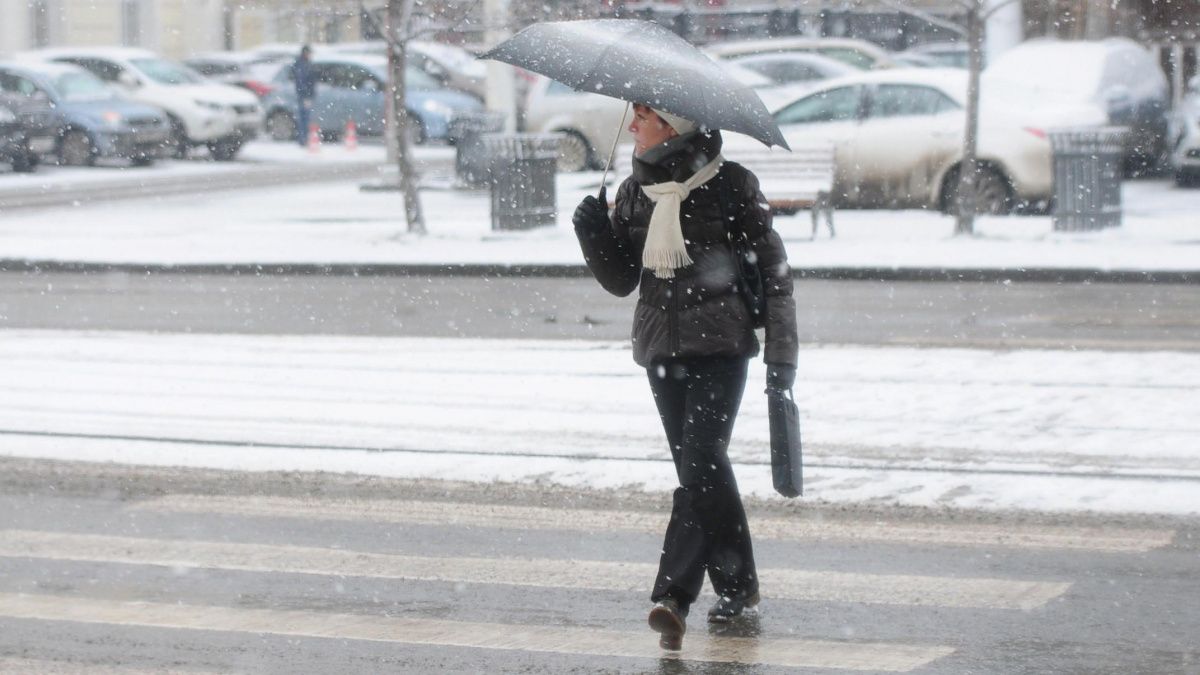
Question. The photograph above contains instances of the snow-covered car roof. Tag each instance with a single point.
(1071, 69)
(953, 81)
(116, 53)
(48, 69)
(783, 44)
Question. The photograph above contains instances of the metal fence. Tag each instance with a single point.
(523, 169)
(1087, 177)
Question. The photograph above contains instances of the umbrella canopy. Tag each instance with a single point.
(641, 62)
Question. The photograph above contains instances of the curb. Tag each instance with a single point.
(571, 271)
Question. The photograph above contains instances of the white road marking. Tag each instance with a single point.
(16, 666)
(1113, 540)
(820, 586)
(795, 653)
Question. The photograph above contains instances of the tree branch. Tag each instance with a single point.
(920, 14)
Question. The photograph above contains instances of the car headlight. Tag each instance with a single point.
(111, 118)
(437, 108)
(209, 105)
(7, 116)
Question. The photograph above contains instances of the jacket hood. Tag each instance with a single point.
(676, 159)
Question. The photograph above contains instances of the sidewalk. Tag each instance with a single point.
(337, 224)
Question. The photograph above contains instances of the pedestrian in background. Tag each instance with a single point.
(306, 92)
(694, 335)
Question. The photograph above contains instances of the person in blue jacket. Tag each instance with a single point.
(306, 92)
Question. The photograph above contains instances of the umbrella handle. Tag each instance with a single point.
(612, 152)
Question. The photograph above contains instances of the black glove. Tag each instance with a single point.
(780, 376)
(592, 213)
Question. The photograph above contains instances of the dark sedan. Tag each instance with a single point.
(25, 133)
(92, 120)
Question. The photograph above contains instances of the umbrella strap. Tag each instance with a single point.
(613, 151)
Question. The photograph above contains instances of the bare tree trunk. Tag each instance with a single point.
(968, 178)
(396, 27)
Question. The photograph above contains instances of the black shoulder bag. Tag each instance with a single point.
(750, 280)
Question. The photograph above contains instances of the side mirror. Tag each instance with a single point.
(128, 80)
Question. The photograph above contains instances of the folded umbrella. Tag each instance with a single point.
(641, 62)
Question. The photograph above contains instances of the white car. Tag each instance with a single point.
(201, 112)
(851, 51)
(1183, 137)
(589, 122)
(898, 136)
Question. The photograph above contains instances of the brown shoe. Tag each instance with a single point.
(668, 620)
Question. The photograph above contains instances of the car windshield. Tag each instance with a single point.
(82, 87)
(418, 79)
(167, 72)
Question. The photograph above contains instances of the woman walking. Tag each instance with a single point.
(668, 236)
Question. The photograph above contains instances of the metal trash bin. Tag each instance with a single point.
(1087, 177)
(522, 172)
(471, 160)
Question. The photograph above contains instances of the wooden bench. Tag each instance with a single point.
(791, 181)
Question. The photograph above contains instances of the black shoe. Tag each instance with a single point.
(726, 609)
(669, 621)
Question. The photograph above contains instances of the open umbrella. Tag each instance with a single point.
(641, 62)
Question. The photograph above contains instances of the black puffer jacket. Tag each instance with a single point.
(699, 312)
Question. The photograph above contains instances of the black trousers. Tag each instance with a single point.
(698, 401)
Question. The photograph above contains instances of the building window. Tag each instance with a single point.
(131, 22)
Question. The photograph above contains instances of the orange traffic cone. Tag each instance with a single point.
(314, 139)
(351, 136)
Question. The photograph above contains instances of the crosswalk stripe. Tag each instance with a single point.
(789, 584)
(1113, 540)
(795, 653)
(14, 666)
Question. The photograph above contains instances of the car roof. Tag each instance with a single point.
(41, 68)
(121, 53)
(953, 81)
(764, 45)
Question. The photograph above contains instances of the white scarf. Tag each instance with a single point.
(665, 249)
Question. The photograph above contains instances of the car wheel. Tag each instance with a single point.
(224, 151)
(573, 152)
(24, 163)
(993, 195)
(77, 149)
(1187, 177)
(281, 126)
(177, 144)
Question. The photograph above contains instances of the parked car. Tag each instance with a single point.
(241, 69)
(91, 120)
(589, 122)
(351, 87)
(898, 137)
(1184, 137)
(24, 138)
(945, 54)
(1116, 74)
(450, 65)
(858, 53)
(791, 67)
(201, 112)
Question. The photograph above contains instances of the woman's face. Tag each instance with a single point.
(648, 129)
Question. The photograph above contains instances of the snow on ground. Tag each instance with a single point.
(1055, 431)
(1060, 431)
(339, 223)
